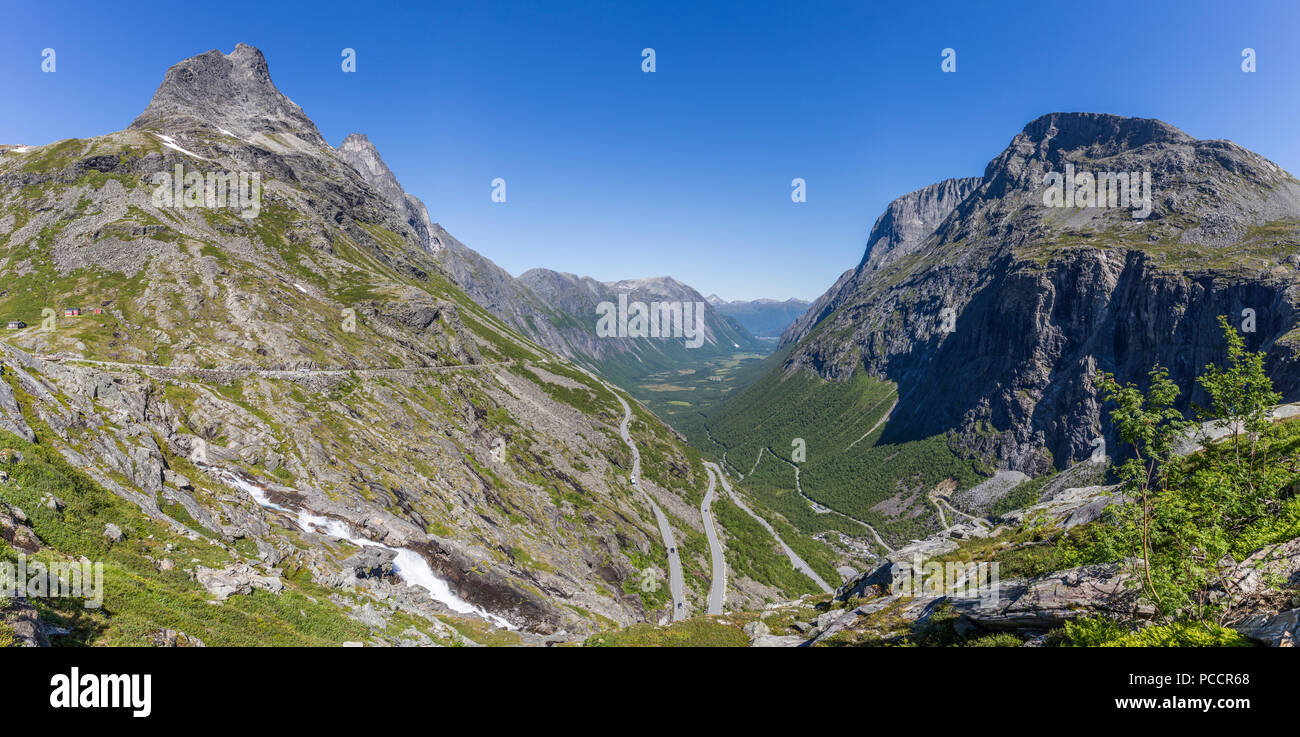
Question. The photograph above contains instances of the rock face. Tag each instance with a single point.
(910, 219)
(1278, 630)
(15, 531)
(899, 231)
(11, 420)
(232, 91)
(237, 579)
(358, 151)
(23, 621)
(1051, 600)
(1040, 298)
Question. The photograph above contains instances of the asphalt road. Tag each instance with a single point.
(718, 591)
(675, 585)
(799, 563)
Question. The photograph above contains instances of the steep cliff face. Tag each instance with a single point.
(358, 151)
(994, 322)
(898, 232)
(910, 219)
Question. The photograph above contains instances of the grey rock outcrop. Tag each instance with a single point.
(910, 219)
(1051, 600)
(22, 619)
(240, 579)
(371, 562)
(358, 151)
(231, 91)
(1276, 630)
(15, 531)
(175, 638)
(11, 418)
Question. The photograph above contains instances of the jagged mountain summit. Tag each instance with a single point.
(971, 330)
(358, 151)
(228, 92)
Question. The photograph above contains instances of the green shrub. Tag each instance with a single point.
(1106, 632)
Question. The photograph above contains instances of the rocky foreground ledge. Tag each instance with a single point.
(866, 608)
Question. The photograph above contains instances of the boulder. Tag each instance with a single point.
(1271, 566)
(174, 638)
(1278, 630)
(113, 533)
(761, 636)
(1053, 599)
(14, 530)
(1069, 507)
(24, 623)
(240, 578)
(171, 478)
(371, 562)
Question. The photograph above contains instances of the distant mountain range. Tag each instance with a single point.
(765, 318)
(555, 309)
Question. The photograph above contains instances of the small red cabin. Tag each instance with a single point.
(72, 312)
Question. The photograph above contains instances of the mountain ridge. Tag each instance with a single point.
(994, 317)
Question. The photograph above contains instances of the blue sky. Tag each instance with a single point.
(616, 173)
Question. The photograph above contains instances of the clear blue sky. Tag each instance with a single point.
(616, 173)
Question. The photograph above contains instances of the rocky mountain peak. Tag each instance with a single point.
(908, 220)
(1086, 141)
(361, 154)
(364, 157)
(1102, 131)
(1046, 292)
(230, 92)
(657, 287)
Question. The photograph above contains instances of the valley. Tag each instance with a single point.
(324, 420)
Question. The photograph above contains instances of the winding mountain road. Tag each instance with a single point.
(823, 509)
(799, 563)
(718, 590)
(675, 585)
(288, 373)
(265, 373)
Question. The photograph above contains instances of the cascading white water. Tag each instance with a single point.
(410, 566)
